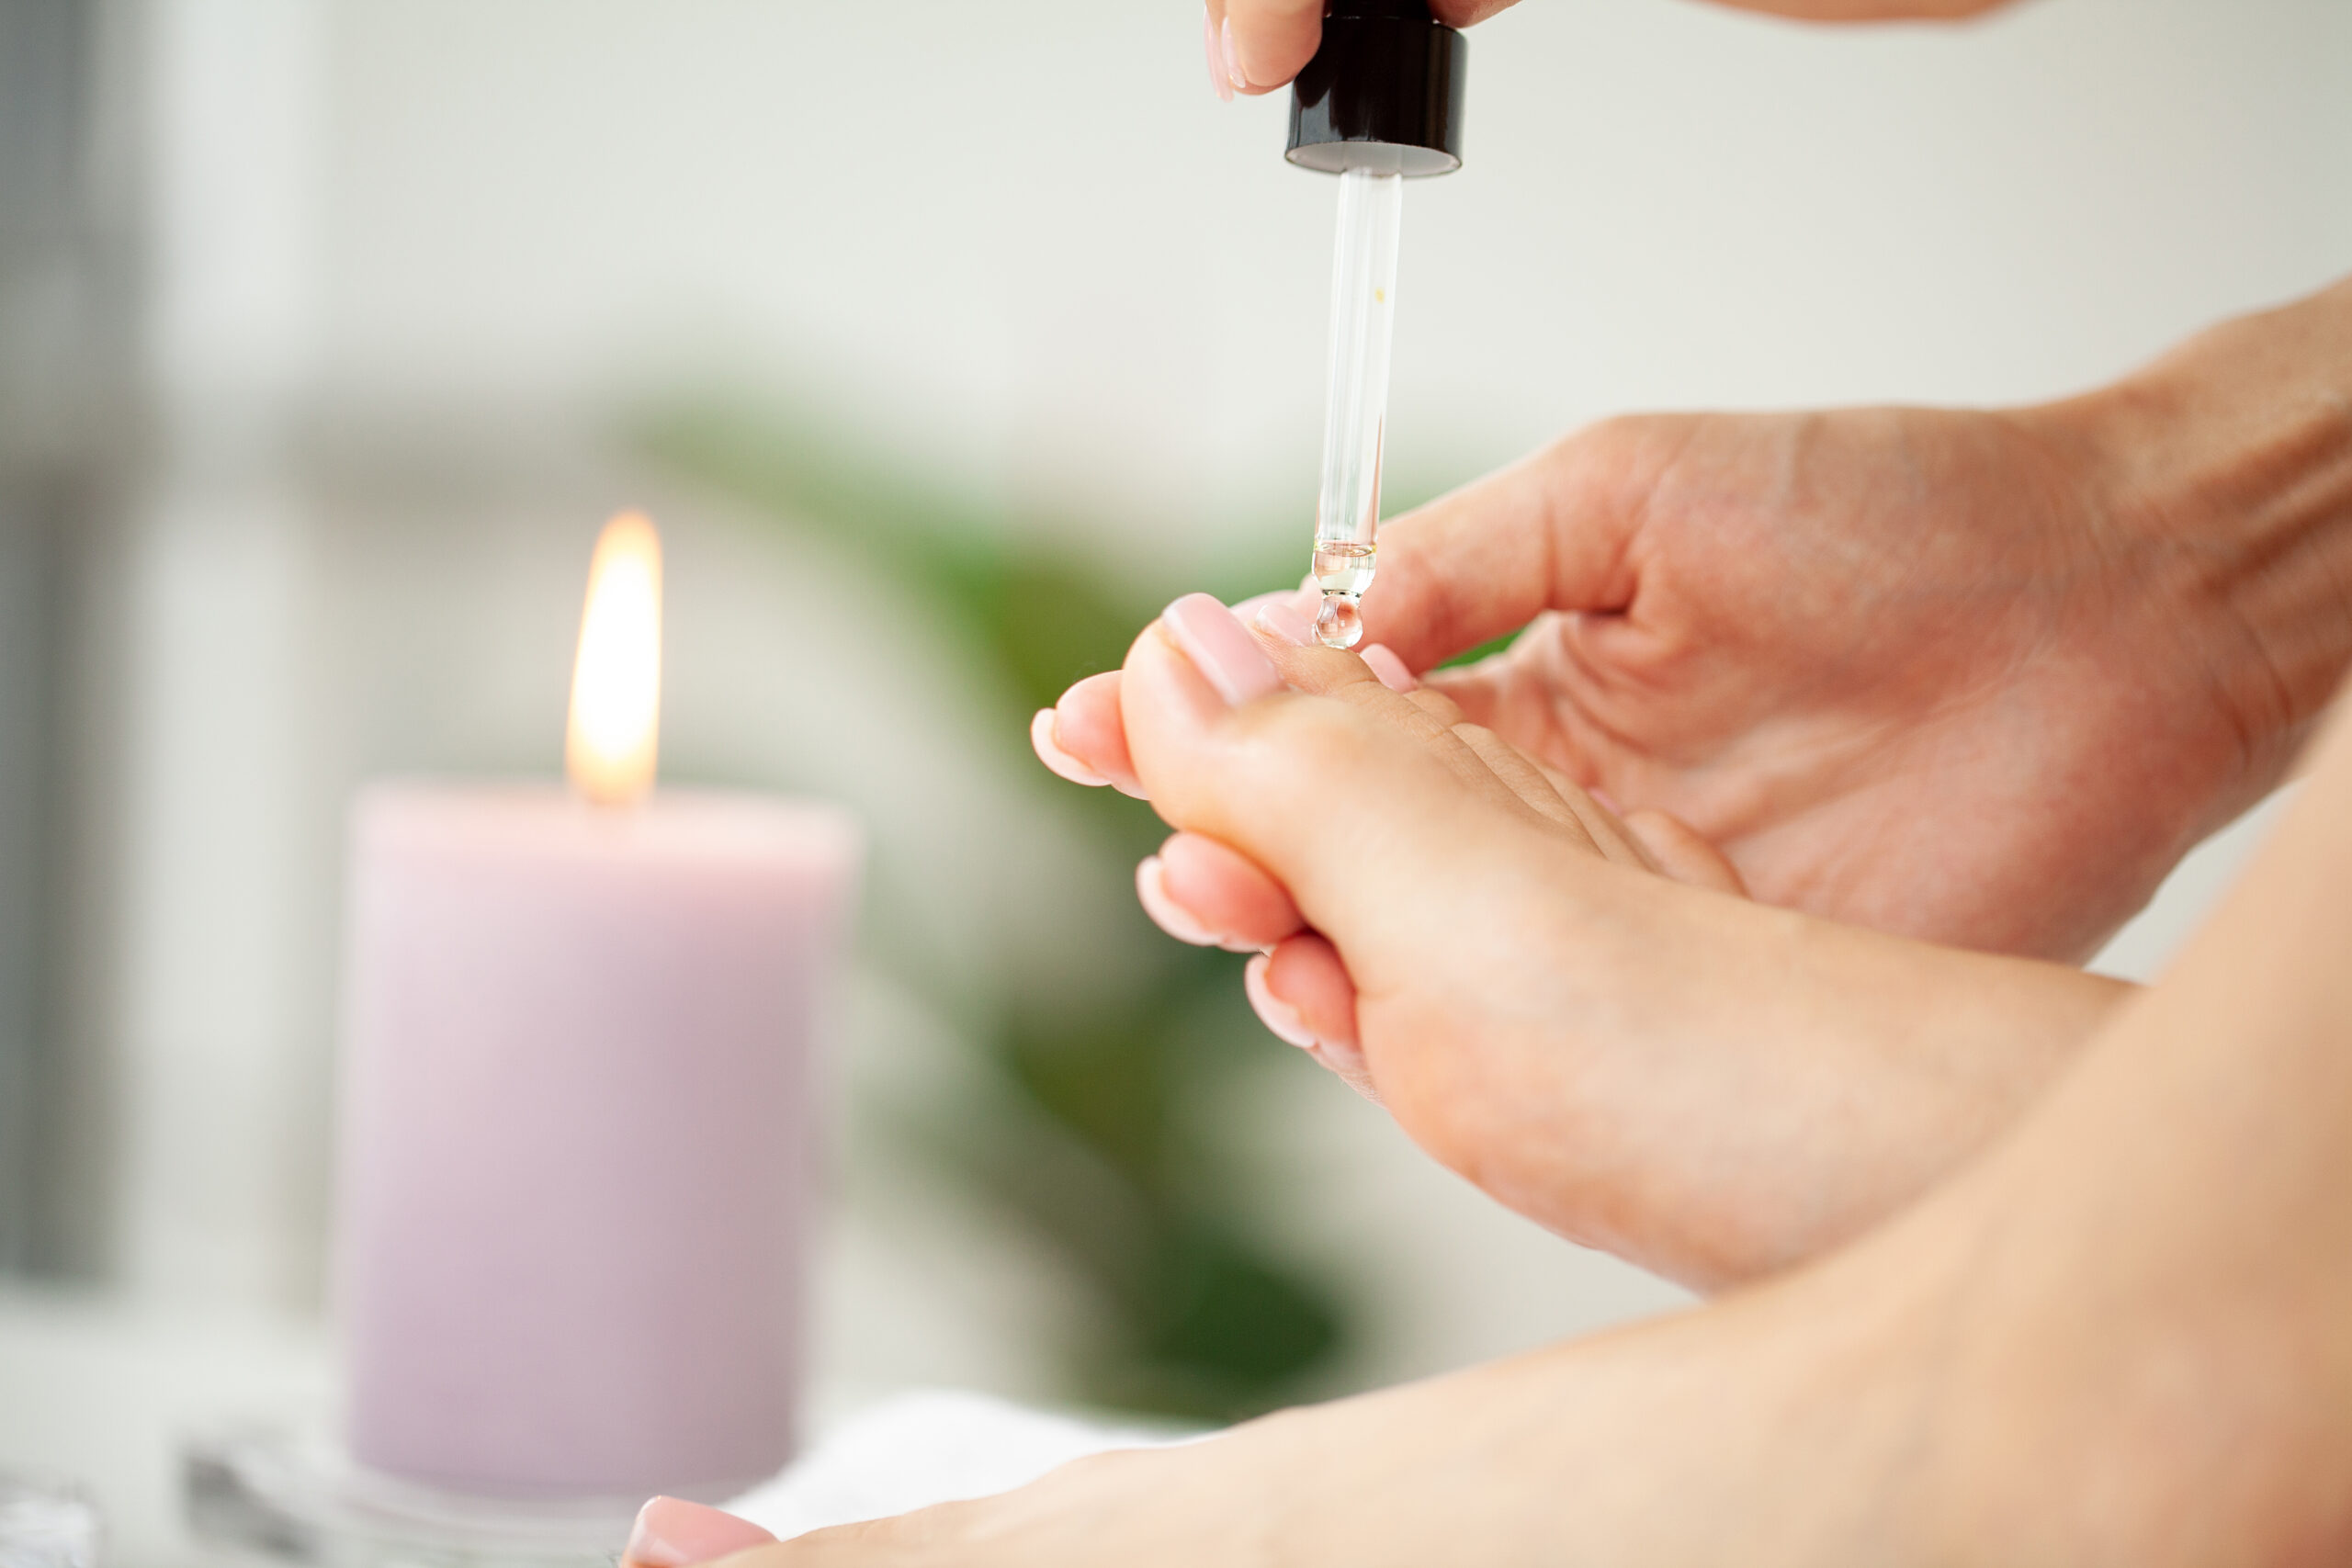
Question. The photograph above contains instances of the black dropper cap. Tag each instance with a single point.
(1383, 92)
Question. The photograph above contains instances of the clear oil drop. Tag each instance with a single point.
(1344, 570)
(1339, 623)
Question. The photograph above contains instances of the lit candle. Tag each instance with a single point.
(577, 1122)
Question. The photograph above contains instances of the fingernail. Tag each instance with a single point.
(1049, 751)
(1218, 78)
(670, 1532)
(1389, 668)
(1282, 620)
(1221, 648)
(1233, 72)
(1272, 1011)
(1151, 888)
(1606, 799)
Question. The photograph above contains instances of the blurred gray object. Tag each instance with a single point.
(64, 354)
(42, 44)
(46, 1525)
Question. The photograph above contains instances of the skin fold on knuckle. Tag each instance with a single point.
(1477, 760)
(1436, 704)
(1415, 718)
(1513, 770)
(1492, 768)
(1323, 672)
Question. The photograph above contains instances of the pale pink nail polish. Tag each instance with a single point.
(1221, 648)
(1606, 799)
(1389, 668)
(1151, 891)
(1233, 72)
(1282, 619)
(1213, 45)
(672, 1533)
(1049, 751)
(1272, 1011)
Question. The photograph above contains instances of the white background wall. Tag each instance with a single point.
(1030, 241)
(998, 227)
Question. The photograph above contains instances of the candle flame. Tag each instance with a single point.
(613, 738)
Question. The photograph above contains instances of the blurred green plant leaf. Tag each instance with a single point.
(1092, 1148)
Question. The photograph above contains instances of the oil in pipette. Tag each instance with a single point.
(1363, 315)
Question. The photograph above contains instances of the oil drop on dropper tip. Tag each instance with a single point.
(1381, 101)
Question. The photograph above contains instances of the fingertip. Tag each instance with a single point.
(1302, 992)
(1305, 973)
(1166, 912)
(1279, 1017)
(1050, 752)
(1227, 892)
(1267, 42)
(1211, 39)
(1090, 728)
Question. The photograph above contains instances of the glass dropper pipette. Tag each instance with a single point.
(1380, 102)
(1364, 317)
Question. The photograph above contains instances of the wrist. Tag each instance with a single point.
(2222, 482)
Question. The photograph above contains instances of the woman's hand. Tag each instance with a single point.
(1910, 669)
(1906, 668)
(1256, 46)
(1981, 678)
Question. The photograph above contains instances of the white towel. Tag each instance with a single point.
(934, 1446)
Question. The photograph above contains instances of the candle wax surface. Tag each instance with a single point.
(578, 1132)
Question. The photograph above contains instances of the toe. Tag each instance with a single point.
(1088, 728)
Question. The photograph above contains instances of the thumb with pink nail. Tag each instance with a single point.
(670, 1532)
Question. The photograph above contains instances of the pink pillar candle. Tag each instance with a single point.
(577, 1130)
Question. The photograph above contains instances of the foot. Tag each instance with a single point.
(1644, 1062)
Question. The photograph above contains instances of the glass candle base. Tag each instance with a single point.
(290, 1491)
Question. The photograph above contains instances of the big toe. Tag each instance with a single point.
(1357, 801)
